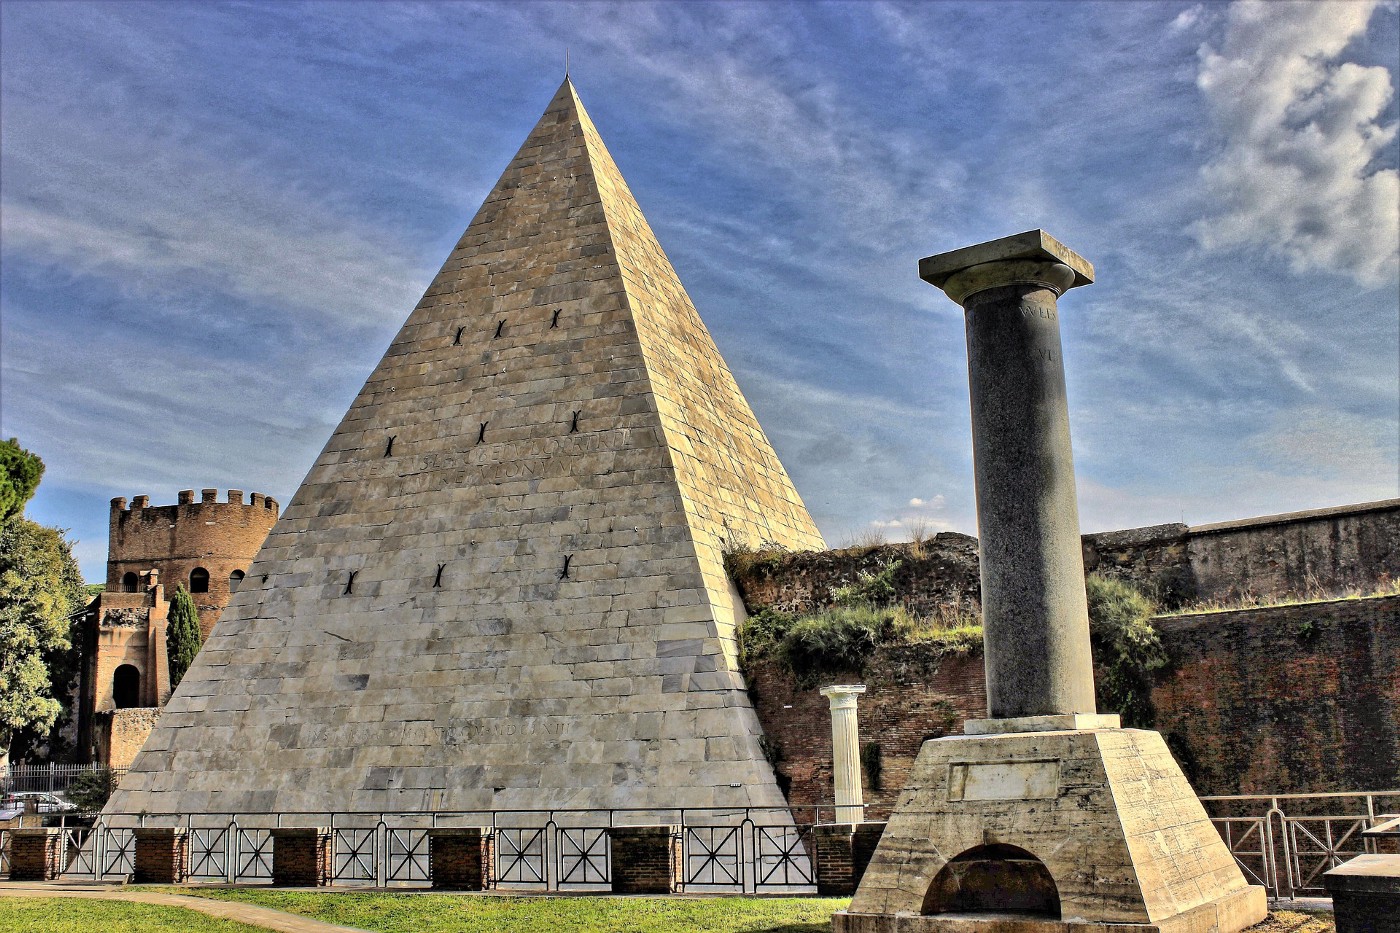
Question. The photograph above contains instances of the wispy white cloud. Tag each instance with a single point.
(1296, 176)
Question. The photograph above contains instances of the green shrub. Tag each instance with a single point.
(1126, 648)
(873, 763)
(90, 790)
(873, 587)
(182, 635)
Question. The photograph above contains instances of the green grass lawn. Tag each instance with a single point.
(81, 915)
(447, 913)
(453, 913)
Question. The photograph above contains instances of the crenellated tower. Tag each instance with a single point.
(207, 545)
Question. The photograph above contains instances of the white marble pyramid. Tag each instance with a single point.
(501, 584)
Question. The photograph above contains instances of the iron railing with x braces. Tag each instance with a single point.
(740, 850)
(1287, 842)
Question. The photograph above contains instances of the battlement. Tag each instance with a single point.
(207, 497)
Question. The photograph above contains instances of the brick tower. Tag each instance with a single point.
(501, 584)
(205, 545)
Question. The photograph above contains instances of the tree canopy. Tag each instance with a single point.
(20, 472)
(182, 635)
(41, 589)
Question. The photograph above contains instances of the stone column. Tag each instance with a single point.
(845, 751)
(1035, 619)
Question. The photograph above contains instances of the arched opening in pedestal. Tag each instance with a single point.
(994, 878)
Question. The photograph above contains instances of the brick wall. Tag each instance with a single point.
(1290, 698)
(162, 855)
(645, 859)
(301, 856)
(460, 859)
(1302, 698)
(1320, 551)
(35, 854)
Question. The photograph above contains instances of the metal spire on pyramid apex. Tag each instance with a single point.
(556, 404)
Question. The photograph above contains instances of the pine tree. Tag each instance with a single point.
(182, 637)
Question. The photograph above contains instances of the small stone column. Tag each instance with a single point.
(36, 854)
(646, 859)
(1034, 614)
(459, 859)
(845, 751)
(162, 855)
(301, 856)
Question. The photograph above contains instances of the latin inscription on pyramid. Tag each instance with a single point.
(501, 584)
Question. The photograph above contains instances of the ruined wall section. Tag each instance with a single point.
(220, 537)
(1286, 699)
(1313, 553)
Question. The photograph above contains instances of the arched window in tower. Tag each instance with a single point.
(129, 581)
(199, 580)
(126, 687)
(234, 579)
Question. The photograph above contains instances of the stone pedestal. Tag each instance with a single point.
(36, 854)
(840, 854)
(646, 859)
(461, 859)
(162, 855)
(1366, 894)
(845, 752)
(302, 856)
(1085, 829)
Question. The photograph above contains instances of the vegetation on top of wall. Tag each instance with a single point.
(1126, 648)
(841, 638)
(1315, 593)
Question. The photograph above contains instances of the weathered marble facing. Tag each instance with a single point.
(501, 585)
(1107, 812)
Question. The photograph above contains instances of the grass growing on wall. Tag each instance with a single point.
(841, 638)
(867, 614)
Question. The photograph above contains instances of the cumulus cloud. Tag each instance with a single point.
(1302, 131)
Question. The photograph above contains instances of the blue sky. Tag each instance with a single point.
(214, 217)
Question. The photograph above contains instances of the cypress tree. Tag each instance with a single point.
(182, 637)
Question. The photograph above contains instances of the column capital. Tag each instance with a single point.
(1033, 257)
(842, 694)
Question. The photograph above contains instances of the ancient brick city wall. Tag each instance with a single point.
(1302, 698)
(1324, 551)
(1286, 698)
(220, 537)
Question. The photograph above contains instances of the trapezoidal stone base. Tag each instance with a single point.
(1081, 830)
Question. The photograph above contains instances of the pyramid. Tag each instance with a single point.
(501, 584)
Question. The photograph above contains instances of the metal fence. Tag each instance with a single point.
(47, 778)
(731, 850)
(1287, 842)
